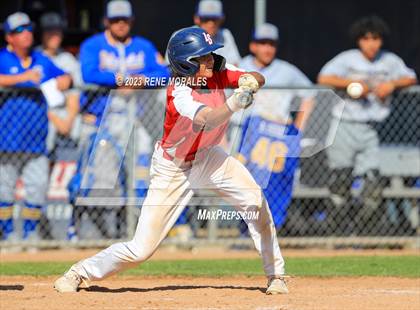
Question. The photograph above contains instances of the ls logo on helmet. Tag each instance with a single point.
(208, 38)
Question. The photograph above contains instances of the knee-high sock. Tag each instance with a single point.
(31, 215)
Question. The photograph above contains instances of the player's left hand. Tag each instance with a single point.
(384, 89)
(242, 98)
(248, 81)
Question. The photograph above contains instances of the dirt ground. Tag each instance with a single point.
(211, 293)
(118, 292)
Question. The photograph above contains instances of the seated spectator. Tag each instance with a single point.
(24, 125)
(354, 152)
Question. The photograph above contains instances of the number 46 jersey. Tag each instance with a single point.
(270, 151)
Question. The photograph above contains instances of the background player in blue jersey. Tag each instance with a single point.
(24, 124)
(270, 144)
(354, 151)
(105, 58)
(115, 53)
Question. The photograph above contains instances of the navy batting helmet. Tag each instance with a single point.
(186, 44)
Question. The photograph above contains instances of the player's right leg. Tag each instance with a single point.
(167, 196)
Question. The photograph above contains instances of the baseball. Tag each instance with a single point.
(355, 90)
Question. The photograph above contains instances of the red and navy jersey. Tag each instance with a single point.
(180, 139)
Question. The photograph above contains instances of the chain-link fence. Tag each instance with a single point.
(85, 187)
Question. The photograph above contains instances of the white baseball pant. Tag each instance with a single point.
(170, 190)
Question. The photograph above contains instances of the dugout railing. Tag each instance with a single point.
(311, 218)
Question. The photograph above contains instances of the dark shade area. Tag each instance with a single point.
(311, 32)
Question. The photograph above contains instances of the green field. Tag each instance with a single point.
(399, 266)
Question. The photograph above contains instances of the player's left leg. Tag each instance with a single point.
(278, 196)
(232, 180)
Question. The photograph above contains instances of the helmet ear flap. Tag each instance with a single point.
(184, 68)
(219, 62)
(188, 43)
(193, 66)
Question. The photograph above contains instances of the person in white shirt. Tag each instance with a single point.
(279, 73)
(62, 118)
(354, 151)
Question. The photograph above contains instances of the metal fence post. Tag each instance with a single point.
(260, 12)
(130, 166)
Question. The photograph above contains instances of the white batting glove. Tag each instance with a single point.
(242, 98)
(248, 80)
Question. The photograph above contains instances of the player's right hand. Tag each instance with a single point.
(31, 76)
(242, 98)
(366, 88)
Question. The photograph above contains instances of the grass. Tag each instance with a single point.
(399, 266)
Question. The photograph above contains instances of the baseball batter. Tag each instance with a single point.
(188, 157)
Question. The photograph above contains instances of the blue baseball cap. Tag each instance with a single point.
(119, 9)
(210, 9)
(266, 31)
(15, 21)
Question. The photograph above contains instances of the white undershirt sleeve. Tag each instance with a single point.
(184, 102)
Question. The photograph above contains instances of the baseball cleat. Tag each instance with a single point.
(276, 286)
(68, 283)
